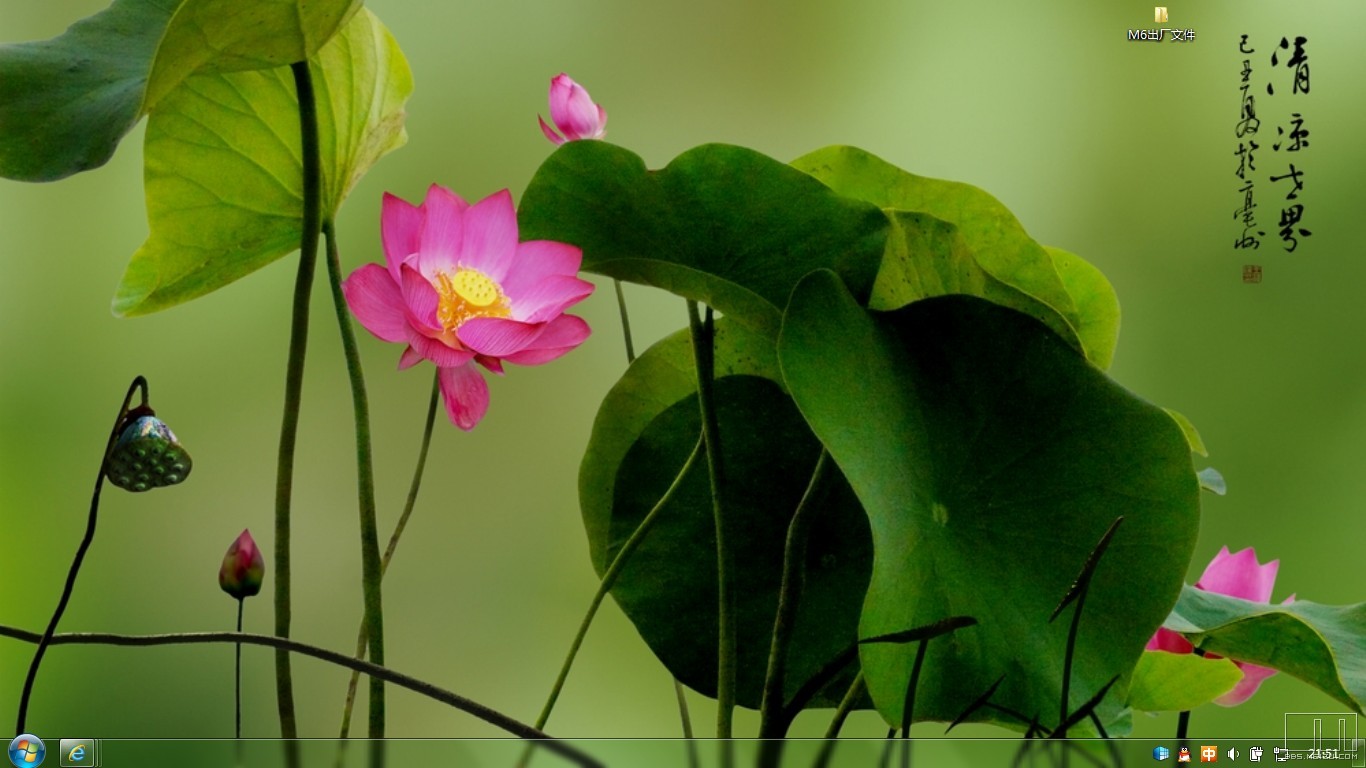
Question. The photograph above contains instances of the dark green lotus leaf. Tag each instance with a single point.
(645, 430)
(65, 103)
(1060, 289)
(1323, 645)
(723, 225)
(991, 457)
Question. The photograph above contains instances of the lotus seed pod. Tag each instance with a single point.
(147, 455)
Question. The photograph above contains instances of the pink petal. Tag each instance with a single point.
(439, 352)
(375, 300)
(466, 395)
(490, 236)
(550, 298)
(496, 336)
(1169, 641)
(409, 358)
(400, 227)
(535, 261)
(420, 301)
(561, 335)
(549, 132)
(492, 363)
(1253, 676)
(1239, 575)
(573, 110)
(443, 233)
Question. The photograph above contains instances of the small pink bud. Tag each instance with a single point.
(243, 568)
(574, 112)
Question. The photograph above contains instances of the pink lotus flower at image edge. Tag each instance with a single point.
(574, 112)
(459, 289)
(1236, 575)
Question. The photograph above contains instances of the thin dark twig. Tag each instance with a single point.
(818, 681)
(310, 229)
(1083, 711)
(139, 383)
(363, 634)
(237, 667)
(887, 749)
(846, 705)
(978, 703)
(625, 323)
(437, 693)
(1079, 590)
(773, 721)
(693, 759)
(703, 333)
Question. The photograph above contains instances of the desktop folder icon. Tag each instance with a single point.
(1160, 14)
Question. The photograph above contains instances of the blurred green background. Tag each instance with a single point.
(1119, 151)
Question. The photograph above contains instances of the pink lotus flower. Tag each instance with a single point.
(243, 568)
(1235, 575)
(459, 289)
(574, 112)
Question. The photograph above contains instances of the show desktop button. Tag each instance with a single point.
(79, 753)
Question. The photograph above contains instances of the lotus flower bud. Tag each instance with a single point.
(243, 568)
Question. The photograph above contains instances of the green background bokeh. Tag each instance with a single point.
(1119, 151)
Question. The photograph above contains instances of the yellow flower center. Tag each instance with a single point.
(466, 294)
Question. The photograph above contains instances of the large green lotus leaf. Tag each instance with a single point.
(208, 36)
(65, 103)
(646, 428)
(224, 177)
(1175, 682)
(1096, 303)
(1323, 645)
(991, 458)
(720, 224)
(1024, 274)
(927, 257)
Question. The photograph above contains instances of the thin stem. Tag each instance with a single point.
(686, 719)
(294, 379)
(1078, 592)
(371, 572)
(237, 673)
(139, 383)
(832, 733)
(683, 716)
(363, 635)
(609, 578)
(909, 707)
(887, 749)
(1068, 652)
(1183, 723)
(773, 720)
(625, 322)
(422, 687)
(846, 706)
(704, 359)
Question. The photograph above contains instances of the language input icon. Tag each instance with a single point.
(1160, 14)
